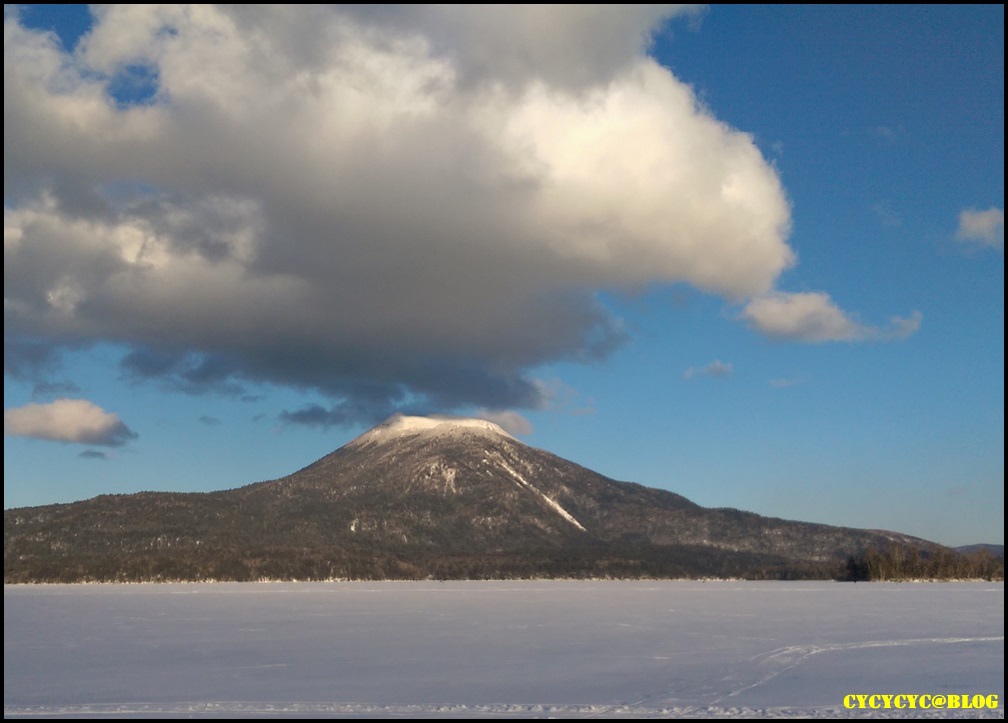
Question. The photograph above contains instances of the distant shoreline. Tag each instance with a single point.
(497, 580)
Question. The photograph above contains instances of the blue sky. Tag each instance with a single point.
(754, 255)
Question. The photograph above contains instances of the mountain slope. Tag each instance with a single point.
(419, 497)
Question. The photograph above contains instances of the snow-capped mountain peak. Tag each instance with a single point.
(399, 426)
(420, 497)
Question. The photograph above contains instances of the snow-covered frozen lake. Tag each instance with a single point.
(529, 649)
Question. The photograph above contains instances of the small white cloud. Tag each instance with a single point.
(509, 420)
(68, 420)
(985, 228)
(93, 454)
(887, 216)
(902, 327)
(885, 133)
(784, 383)
(814, 317)
(716, 368)
(810, 316)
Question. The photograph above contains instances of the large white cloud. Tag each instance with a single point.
(390, 205)
(67, 420)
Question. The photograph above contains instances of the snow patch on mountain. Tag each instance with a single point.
(542, 495)
(400, 425)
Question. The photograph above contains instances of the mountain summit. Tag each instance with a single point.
(399, 425)
(419, 497)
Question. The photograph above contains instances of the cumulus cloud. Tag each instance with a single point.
(814, 317)
(985, 228)
(568, 47)
(716, 368)
(387, 205)
(68, 420)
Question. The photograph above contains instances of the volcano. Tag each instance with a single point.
(418, 498)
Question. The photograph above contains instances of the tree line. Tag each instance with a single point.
(898, 563)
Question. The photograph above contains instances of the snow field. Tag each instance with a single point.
(519, 648)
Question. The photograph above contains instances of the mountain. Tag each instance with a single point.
(420, 497)
(996, 551)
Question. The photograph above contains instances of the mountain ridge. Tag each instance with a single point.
(420, 497)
